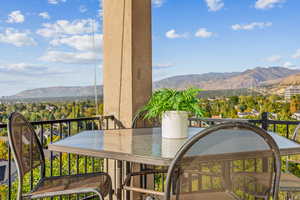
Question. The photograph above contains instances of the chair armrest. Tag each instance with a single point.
(142, 173)
(294, 161)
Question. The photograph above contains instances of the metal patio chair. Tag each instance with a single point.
(28, 154)
(189, 176)
(140, 170)
(289, 182)
(139, 121)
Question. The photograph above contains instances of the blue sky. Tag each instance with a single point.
(50, 42)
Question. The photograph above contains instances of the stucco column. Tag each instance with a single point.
(127, 61)
(127, 57)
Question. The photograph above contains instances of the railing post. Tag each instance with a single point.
(264, 121)
(9, 173)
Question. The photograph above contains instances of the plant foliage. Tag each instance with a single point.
(173, 100)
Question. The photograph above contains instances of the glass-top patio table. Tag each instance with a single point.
(146, 146)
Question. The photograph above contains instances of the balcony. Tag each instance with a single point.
(58, 164)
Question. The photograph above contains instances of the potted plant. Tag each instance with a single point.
(173, 108)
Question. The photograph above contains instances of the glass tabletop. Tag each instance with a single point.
(147, 144)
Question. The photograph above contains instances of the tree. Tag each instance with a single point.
(234, 100)
(294, 105)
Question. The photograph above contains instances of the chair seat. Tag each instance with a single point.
(73, 184)
(288, 182)
(259, 177)
(205, 196)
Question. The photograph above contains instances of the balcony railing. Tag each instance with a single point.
(65, 164)
(53, 130)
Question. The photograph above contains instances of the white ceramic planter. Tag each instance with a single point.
(170, 147)
(175, 124)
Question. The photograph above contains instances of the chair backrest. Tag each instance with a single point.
(25, 145)
(296, 134)
(139, 121)
(234, 158)
(294, 158)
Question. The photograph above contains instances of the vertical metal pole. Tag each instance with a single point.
(69, 155)
(93, 159)
(51, 153)
(31, 162)
(119, 178)
(227, 175)
(85, 157)
(42, 135)
(128, 169)
(264, 121)
(9, 173)
(77, 156)
(60, 154)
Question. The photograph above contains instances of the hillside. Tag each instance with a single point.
(225, 81)
(278, 85)
(52, 92)
(291, 80)
(199, 80)
(275, 78)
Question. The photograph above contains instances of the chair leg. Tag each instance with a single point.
(98, 194)
(90, 197)
(289, 196)
(292, 195)
(110, 195)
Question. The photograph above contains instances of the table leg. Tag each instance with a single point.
(119, 179)
(265, 164)
(227, 175)
(127, 171)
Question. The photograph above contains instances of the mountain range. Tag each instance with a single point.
(223, 81)
(276, 78)
(51, 92)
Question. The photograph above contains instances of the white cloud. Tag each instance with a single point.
(162, 65)
(158, 3)
(296, 54)
(65, 27)
(44, 15)
(18, 67)
(289, 65)
(71, 57)
(56, 1)
(81, 42)
(171, 34)
(251, 26)
(267, 4)
(83, 9)
(274, 58)
(15, 17)
(17, 38)
(27, 69)
(203, 33)
(214, 5)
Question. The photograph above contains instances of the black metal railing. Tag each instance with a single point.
(58, 164)
(283, 127)
(63, 164)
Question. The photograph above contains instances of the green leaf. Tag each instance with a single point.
(173, 100)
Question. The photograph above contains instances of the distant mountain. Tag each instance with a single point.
(278, 86)
(184, 81)
(54, 92)
(226, 81)
(257, 77)
(291, 80)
